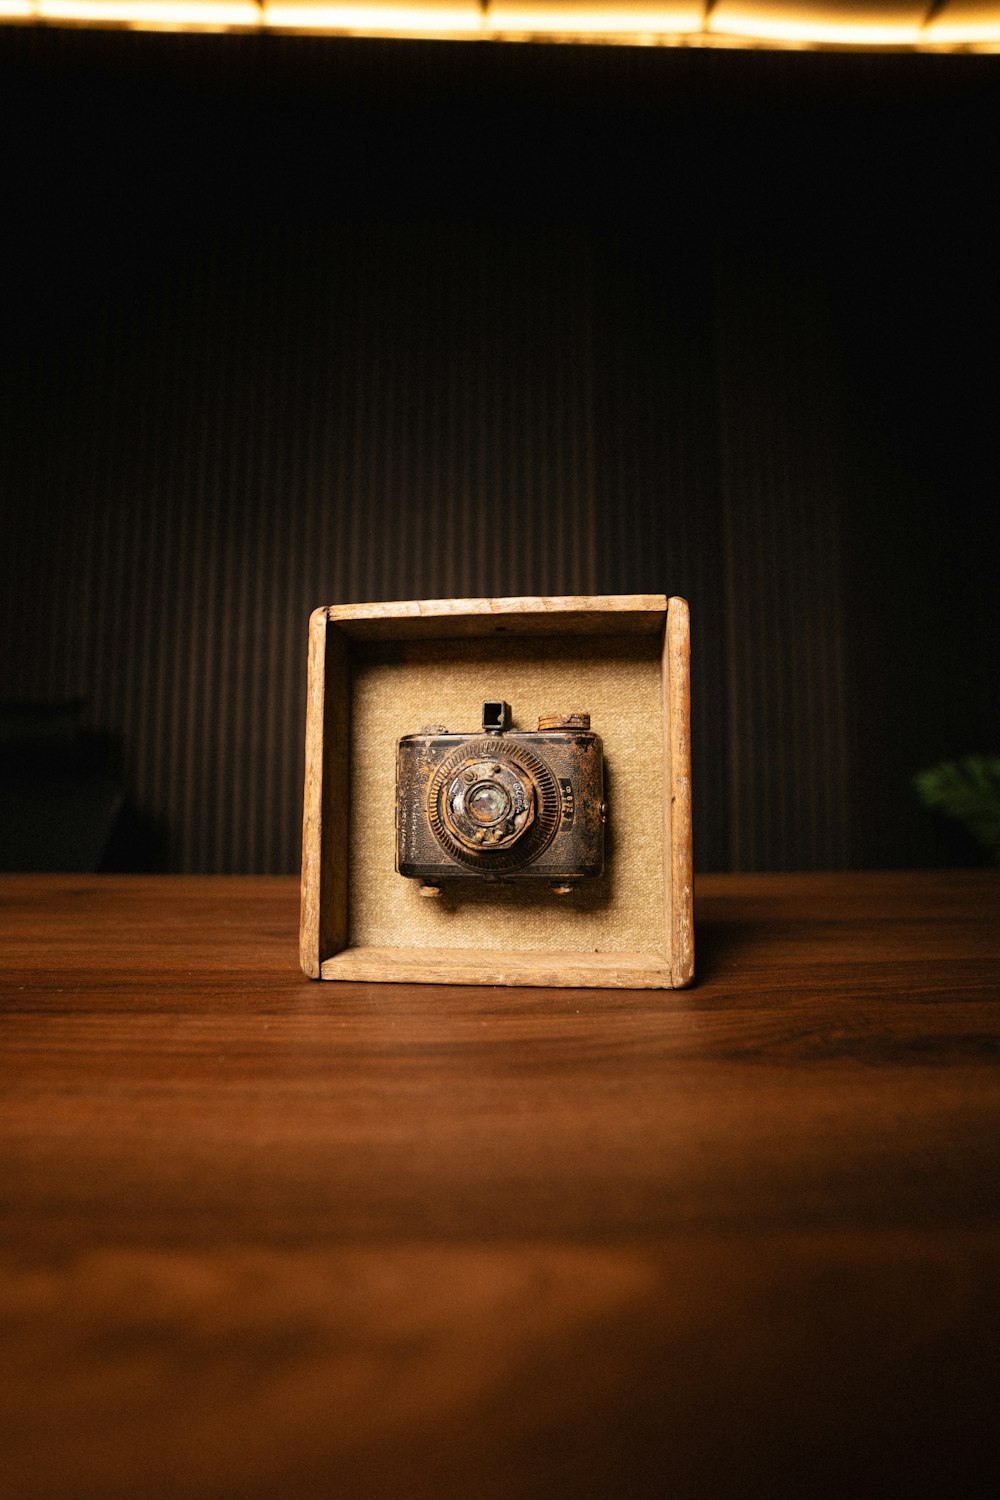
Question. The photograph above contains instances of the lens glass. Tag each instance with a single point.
(488, 802)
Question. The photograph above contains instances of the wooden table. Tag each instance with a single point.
(267, 1237)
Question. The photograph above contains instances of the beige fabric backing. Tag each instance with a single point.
(399, 688)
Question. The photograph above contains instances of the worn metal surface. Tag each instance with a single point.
(491, 806)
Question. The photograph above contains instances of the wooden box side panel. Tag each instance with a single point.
(324, 911)
(424, 619)
(678, 841)
(563, 970)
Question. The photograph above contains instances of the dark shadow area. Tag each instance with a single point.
(718, 946)
(63, 801)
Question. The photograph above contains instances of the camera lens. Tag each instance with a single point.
(493, 803)
(488, 802)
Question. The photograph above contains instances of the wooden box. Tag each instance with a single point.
(378, 671)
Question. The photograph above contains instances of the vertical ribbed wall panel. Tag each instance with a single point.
(781, 489)
(271, 419)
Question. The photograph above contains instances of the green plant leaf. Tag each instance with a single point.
(967, 790)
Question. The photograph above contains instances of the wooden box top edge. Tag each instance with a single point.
(527, 615)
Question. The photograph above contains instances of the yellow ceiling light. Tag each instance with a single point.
(576, 18)
(879, 25)
(966, 22)
(391, 18)
(179, 15)
(885, 23)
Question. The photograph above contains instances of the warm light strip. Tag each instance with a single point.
(586, 20)
(833, 33)
(400, 20)
(971, 35)
(600, 21)
(153, 13)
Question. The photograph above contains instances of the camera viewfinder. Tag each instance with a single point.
(496, 718)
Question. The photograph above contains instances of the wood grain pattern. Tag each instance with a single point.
(424, 619)
(622, 971)
(678, 852)
(323, 915)
(439, 1242)
(311, 885)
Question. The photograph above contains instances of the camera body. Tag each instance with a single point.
(502, 804)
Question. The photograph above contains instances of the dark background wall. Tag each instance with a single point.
(294, 321)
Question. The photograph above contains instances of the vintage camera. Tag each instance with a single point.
(503, 804)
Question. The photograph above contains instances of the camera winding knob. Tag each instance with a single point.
(563, 721)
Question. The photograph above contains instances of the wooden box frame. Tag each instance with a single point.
(334, 631)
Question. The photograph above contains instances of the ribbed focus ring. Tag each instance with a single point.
(520, 758)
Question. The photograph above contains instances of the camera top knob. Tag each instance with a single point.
(563, 721)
